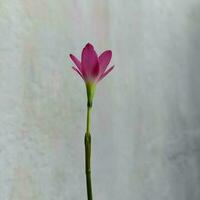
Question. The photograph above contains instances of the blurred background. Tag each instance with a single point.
(146, 115)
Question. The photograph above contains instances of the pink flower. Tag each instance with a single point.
(92, 68)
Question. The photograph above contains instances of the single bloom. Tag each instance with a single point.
(92, 68)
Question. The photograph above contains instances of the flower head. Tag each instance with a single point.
(92, 68)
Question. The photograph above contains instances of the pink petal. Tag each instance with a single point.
(76, 61)
(75, 69)
(104, 60)
(105, 73)
(89, 62)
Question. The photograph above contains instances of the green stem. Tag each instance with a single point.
(88, 153)
(89, 109)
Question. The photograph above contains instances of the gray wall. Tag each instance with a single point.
(146, 116)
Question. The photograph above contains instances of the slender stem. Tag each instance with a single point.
(89, 109)
(88, 153)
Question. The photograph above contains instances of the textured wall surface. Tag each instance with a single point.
(146, 116)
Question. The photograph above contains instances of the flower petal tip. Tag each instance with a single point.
(75, 61)
(106, 73)
(71, 56)
(89, 45)
(110, 69)
(109, 51)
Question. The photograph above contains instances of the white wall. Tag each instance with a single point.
(146, 116)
